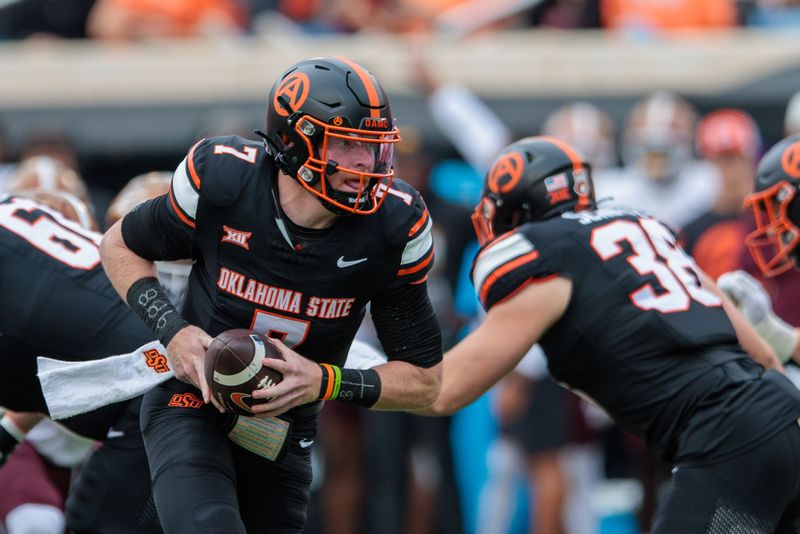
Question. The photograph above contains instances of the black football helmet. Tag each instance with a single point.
(322, 98)
(532, 179)
(776, 207)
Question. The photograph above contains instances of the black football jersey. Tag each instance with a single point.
(254, 269)
(56, 297)
(56, 302)
(639, 330)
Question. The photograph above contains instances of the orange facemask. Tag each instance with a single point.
(775, 237)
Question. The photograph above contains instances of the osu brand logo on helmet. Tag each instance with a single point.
(532, 179)
(776, 209)
(790, 160)
(505, 173)
(291, 92)
(330, 106)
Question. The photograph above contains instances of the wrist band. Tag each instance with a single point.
(150, 302)
(354, 386)
(331, 380)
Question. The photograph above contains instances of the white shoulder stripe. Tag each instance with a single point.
(418, 248)
(498, 255)
(185, 195)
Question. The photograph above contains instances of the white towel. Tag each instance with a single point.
(72, 388)
(362, 355)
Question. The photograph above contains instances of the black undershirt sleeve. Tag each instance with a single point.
(154, 232)
(406, 325)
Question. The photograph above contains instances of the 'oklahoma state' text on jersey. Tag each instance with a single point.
(640, 331)
(254, 268)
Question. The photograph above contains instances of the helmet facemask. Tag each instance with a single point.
(322, 101)
(369, 184)
(482, 220)
(773, 244)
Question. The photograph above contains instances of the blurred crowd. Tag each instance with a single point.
(143, 19)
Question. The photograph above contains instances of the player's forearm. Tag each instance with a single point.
(407, 387)
(123, 266)
(13, 427)
(465, 377)
(24, 421)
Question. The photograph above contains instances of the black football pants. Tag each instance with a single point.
(112, 494)
(204, 483)
(757, 492)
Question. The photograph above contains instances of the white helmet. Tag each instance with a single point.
(659, 136)
(173, 275)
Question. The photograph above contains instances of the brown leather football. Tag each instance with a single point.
(234, 369)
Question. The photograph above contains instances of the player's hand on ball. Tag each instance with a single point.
(186, 355)
(300, 385)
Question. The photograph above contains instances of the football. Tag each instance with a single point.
(234, 369)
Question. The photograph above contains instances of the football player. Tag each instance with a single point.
(773, 244)
(627, 320)
(292, 237)
(660, 174)
(58, 302)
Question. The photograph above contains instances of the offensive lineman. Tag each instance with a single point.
(626, 319)
(58, 302)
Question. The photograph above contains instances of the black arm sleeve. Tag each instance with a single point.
(407, 325)
(154, 232)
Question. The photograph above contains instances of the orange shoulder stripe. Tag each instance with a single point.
(503, 269)
(418, 267)
(177, 209)
(192, 170)
(417, 225)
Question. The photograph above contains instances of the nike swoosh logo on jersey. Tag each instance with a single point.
(306, 443)
(342, 263)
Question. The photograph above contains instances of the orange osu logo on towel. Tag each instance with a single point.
(294, 90)
(506, 173)
(156, 360)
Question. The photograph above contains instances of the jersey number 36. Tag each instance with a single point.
(654, 252)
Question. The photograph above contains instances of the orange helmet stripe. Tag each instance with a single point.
(574, 157)
(372, 91)
(577, 162)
